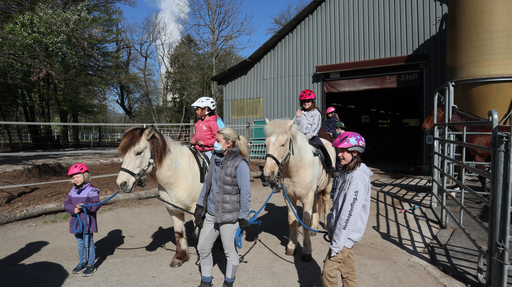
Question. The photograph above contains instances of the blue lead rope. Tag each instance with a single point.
(252, 221)
(307, 227)
(83, 225)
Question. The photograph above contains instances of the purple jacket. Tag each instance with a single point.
(87, 194)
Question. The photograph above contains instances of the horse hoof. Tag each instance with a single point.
(176, 264)
(290, 252)
(312, 233)
(306, 257)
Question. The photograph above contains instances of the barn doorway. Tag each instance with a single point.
(390, 120)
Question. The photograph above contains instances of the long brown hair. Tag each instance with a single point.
(354, 164)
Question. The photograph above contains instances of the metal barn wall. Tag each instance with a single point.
(341, 31)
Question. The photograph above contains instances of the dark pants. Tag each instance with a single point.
(327, 157)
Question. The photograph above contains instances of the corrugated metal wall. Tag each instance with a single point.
(341, 31)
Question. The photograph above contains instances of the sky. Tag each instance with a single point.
(262, 10)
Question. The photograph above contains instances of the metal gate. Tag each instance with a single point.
(453, 180)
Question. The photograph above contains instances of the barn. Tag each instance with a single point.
(377, 62)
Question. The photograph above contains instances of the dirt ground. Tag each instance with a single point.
(19, 170)
(135, 242)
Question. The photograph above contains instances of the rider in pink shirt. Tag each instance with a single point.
(206, 127)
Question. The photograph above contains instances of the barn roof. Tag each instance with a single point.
(270, 43)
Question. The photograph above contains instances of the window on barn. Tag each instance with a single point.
(247, 108)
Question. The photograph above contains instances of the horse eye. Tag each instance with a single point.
(139, 153)
(282, 145)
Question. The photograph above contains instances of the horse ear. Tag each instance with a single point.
(150, 132)
(290, 124)
(267, 121)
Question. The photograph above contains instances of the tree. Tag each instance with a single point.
(56, 57)
(217, 26)
(284, 16)
(186, 77)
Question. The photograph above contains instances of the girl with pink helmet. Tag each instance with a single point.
(83, 193)
(347, 219)
(332, 119)
(309, 120)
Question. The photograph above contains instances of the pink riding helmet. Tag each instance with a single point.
(307, 95)
(351, 141)
(330, 110)
(78, 168)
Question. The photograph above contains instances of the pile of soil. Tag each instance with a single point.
(16, 199)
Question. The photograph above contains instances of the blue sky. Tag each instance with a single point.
(262, 10)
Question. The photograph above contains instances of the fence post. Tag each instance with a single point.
(92, 135)
(248, 131)
(191, 129)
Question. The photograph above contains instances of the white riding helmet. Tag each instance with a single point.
(203, 102)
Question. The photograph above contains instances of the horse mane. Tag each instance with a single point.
(468, 115)
(157, 142)
(303, 152)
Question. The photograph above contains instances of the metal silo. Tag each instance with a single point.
(478, 47)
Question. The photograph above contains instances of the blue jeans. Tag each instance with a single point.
(90, 248)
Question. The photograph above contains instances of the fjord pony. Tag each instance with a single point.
(174, 168)
(476, 139)
(303, 176)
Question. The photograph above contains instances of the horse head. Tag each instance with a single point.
(278, 144)
(428, 124)
(143, 149)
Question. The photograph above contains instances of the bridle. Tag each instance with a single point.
(138, 176)
(285, 159)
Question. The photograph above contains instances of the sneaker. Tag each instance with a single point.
(79, 269)
(89, 270)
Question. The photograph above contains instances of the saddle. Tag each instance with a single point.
(202, 162)
(318, 152)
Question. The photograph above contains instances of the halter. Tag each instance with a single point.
(281, 163)
(138, 176)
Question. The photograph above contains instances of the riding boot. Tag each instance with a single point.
(205, 284)
(227, 284)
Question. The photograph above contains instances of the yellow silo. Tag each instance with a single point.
(479, 45)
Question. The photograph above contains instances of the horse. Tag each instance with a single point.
(303, 176)
(478, 139)
(173, 166)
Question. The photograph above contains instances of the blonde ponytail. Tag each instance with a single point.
(240, 141)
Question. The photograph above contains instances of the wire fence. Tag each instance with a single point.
(18, 139)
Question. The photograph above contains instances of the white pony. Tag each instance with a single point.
(304, 177)
(173, 166)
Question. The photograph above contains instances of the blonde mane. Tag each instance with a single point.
(302, 151)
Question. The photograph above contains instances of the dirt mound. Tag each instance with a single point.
(55, 172)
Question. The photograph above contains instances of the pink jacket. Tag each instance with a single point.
(205, 131)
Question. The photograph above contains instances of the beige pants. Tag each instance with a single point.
(342, 262)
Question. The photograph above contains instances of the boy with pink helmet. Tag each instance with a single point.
(309, 119)
(347, 219)
(83, 193)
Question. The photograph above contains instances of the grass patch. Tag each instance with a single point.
(58, 218)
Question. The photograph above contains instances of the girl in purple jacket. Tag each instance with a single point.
(83, 193)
